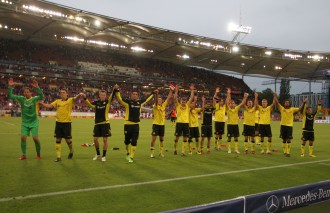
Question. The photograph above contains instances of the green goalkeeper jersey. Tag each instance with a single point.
(29, 107)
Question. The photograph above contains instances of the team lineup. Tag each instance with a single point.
(185, 118)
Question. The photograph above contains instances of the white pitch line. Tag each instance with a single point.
(328, 164)
(151, 182)
(8, 123)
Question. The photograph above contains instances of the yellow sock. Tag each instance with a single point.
(219, 143)
(310, 150)
(246, 146)
(161, 147)
(128, 148)
(58, 150)
(152, 150)
(132, 153)
(288, 148)
(184, 146)
(229, 146)
(302, 149)
(190, 146)
(236, 145)
(257, 139)
(269, 145)
(253, 146)
(175, 145)
(284, 147)
(262, 146)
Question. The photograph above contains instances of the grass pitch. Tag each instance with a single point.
(147, 185)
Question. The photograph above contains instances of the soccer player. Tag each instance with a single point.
(286, 124)
(30, 109)
(219, 118)
(102, 123)
(132, 119)
(63, 108)
(194, 126)
(158, 125)
(308, 128)
(207, 113)
(264, 124)
(249, 124)
(182, 123)
(232, 123)
(173, 117)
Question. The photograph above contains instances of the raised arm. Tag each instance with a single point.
(176, 99)
(256, 102)
(276, 101)
(156, 97)
(39, 91)
(228, 98)
(83, 95)
(215, 96)
(203, 102)
(169, 95)
(246, 95)
(192, 92)
(302, 108)
(319, 106)
(11, 85)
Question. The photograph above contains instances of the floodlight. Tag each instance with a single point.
(235, 49)
(97, 23)
(268, 52)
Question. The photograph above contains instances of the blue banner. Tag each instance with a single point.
(290, 198)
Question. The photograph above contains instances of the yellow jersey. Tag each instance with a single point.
(63, 109)
(220, 113)
(287, 115)
(193, 117)
(265, 114)
(249, 116)
(233, 115)
(159, 113)
(182, 112)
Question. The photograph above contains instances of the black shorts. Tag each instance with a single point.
(102, 130)
(232, 130)
(219, 128)
(193, 132)
(265, 130)
(63, 130)
(307, 136)
(158, 130)
(256, 127)
(249, 130)
(286, 132)
(207, 131)
(182, 129)
(131, 132)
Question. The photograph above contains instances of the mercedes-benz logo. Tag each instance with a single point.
(272, 204)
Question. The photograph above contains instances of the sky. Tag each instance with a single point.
(285, 24)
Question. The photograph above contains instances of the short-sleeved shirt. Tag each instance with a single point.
(233, 115)
(249, 116)
(63, 109)
(182, 112)
(264, 113)
(287, 115)
(193, 117)
(159, 113)
(220, 113)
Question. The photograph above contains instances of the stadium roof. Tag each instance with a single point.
(42, 21)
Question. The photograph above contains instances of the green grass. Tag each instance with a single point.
(182, 182)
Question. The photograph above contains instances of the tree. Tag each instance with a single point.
(267, 94)
(284, 90)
